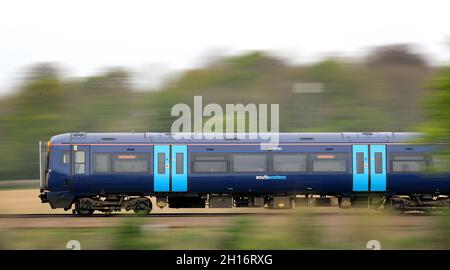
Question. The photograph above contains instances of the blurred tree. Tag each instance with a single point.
(395, 75)
(43, 70)
(341, 105)
(380, 93)
(401, 54)
(47, 104)
(111, 80)
(437, 106)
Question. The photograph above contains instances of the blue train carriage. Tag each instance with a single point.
(113, 171)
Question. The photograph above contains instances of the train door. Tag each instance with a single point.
(369, 176)
(179, 168)
(378, 168)
(170, 168)
(361, 168)
(161, 168)
(80, 168)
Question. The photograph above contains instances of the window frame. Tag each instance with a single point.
(193, 159)
(113, 156)
(313, 157)
(161, 157)
(75, 163)
(148, 159)
(109, 163)
(426, 160)
(378, 163)
(438, 163)
(179, 164)
(266, 154)
(359, 163)
(272, 162)
(210, 161)
(66, 153)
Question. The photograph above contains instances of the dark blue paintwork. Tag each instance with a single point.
(247, 183)
(61, 180)
(407, 183)
(116, 183)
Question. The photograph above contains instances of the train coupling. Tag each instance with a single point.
(43, 197)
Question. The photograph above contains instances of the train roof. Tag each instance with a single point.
(192, 138)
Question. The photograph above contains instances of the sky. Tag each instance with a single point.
(155, 38)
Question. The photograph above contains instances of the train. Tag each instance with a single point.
(110, 172)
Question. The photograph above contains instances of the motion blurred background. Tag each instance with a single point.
(103, 66)
(120, 67)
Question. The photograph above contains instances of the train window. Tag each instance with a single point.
(66, 157)
(179, 160)
(359, 162)
(210, 167)
(209, 156)
(409, 157)
(79, 169)
(80, 156)
(130, 163)
(440, 163)
(378, 162)
(128, 166)
(209, 163)
(329, 162)
(329, 166)
(289, 162)
(409, 166)
(408, 163)
(161, 163)
(256, 162)
(80, 160)
(101, 162)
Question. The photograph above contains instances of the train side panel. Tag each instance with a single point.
(121, 169)
(268, 179)
(411, 170)
(117, 166)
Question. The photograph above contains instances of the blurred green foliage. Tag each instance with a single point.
(437, 106)
(384, 91)
(130, 235)
(236, 235)
(304, 229)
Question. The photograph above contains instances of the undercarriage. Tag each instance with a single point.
(418, 202)
(87, 206)
(142, 205)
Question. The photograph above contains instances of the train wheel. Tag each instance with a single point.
(397, 208)
(85, 212)
(143, 206)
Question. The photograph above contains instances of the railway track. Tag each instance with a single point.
(126, 215)
(323, 211)
(159, 220)
(200, 220)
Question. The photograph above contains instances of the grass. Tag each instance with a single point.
(18, 184)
